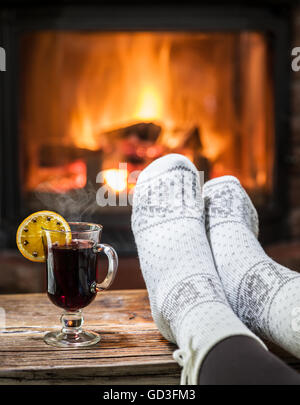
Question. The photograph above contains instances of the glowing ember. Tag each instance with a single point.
(60, 179)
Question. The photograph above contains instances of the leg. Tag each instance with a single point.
(264, 294)
(186, 296)
(240, 360)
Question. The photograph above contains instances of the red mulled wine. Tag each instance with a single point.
(71, 270)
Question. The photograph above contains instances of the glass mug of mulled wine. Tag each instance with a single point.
(72, 274)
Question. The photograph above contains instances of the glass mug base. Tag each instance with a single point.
(72, 334)
(81, 339)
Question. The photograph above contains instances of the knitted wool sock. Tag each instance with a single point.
(186, 297)
(264, 294)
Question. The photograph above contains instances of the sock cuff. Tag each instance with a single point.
(193, 351)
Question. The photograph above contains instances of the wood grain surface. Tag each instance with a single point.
(131, 351)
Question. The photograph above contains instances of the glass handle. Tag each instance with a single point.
(112, 266)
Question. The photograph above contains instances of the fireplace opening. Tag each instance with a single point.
(90, 100)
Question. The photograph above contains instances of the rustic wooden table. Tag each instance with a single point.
(131, 350)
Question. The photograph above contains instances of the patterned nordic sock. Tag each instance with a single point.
(186, 297)
(264, 294)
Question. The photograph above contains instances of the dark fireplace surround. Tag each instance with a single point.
(15, 20)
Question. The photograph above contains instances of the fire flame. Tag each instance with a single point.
(150, 105)
(80, 87)
(116, 179)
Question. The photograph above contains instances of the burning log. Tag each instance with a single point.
(57, 155)
(60, 168)
(190, 144)
(143, 131)
(133, 141)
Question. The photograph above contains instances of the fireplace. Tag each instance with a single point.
(88, 88)
(92, 100)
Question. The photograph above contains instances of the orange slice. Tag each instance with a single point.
(29, 234)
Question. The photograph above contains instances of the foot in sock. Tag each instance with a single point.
(261, 292)
(186, 296)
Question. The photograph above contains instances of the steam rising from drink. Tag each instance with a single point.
(76, 205)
